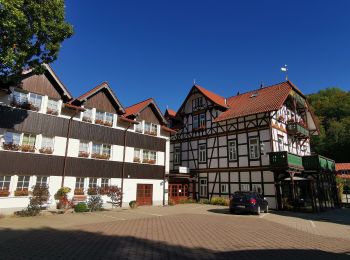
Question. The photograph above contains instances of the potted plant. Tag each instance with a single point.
(62, 197)
(107, 123)
(151, 161)
(133, 204)
(83, 154)
(78, 191)
(11, 147)
(51, 112)
(92, 191)
(87, 119)
(46, 150)
(99, 121)
(28, 148)
(136, 159)
(103, 156)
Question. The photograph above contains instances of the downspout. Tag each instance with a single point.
(123, 164)
(67, 145)
(164, 177)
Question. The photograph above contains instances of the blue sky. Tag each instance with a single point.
(155, 48)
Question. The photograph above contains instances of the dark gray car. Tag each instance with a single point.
(248, 201)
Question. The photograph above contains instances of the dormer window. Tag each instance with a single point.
(52, 107)
(87, 115)
(104, 118)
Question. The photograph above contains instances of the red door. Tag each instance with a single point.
(144, 194)
(178, 192)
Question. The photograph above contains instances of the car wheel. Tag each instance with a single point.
(267, 209)
(258, 211)
(232, 211)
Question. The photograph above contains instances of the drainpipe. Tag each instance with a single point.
(123, 164)
(164, 178)
(67, 144)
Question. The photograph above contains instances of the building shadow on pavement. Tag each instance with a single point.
(58, 244)
(338, 216)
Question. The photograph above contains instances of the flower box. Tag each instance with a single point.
(24, 105)
(79, 192)
(150, 133)
(4, 193)
(137, 159)
(109, 124)
(87, 119)
(83, 154)
(46, 150)
(104, 190)
(20, 193)
(100, 156)
(149, 161)
(11, 147)
(52, 112)
(92, 191)
(28, 148)
(99, 122)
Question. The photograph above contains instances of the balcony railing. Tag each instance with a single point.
(318, 163)
(297, 130)
(285, 160)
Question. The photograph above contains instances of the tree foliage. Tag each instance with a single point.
(31, 32)
(332, 106)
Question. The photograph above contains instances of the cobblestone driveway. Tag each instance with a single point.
(181, 232)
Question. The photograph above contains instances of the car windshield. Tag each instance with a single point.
(245, 195)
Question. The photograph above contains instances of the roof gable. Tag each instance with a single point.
(145, 107)
(101, 97)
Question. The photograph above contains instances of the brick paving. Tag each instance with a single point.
(181, 232)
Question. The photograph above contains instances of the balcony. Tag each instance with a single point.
(285, 160)
(318, 163)
(298, 130)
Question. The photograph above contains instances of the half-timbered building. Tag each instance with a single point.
(48, 137)
(255, 141)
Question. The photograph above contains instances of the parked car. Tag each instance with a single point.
(248, 201)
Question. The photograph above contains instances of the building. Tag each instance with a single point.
(49, 137)
(342, 169)
(255, 141)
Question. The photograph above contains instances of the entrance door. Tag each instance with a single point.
(144, 194)
(178, 192)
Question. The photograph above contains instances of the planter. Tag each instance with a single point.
(19, 193)
(100, 156)
(24, 105)
(28, 148)
(52, 112)
(99, 122)
(109, 124)
(104, 190)
(79, 192)
(87, 119)
(150, 133)
(4, 193)
(11, 147)
(83, 154)
(92, 191)
(137, 160)
(46, 150)
(149, 161)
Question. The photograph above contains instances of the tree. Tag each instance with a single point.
(31, 33)
(332, 106)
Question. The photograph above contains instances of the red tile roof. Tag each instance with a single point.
(171, 112)
(257, 101)
(219, 100)
(342, 166)
(137, 108)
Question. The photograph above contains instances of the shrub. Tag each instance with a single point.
(219, 201)
(115, 194)
(81, 207)
(93, 191)
(40, 197)
(133, 204)
(186, 201)
(171, 202)
(95, 203)
(62, 192)
(61, 196)
(204, 201)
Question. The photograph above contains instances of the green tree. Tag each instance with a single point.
(31, 32)
(332, 106)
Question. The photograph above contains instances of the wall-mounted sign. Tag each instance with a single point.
(184, 169)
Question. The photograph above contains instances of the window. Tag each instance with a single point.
(232, 151)
(257, 187)
(105, 182)
(254, 148)
(101, 151)
(139, 127)
(84, 149)
(52, 107)
(5, 183)
(149, 157)
(46, 145)
(28, 139)
(280, 143)
(202, 151)
(290, 145)
(23, 182)
(202, 121)
(197, 103)
(203, 188)
(151, 129)
(92, 182)
(177, 155)
(224, 188)
(12, 138)
(35, 100)
(20, 97)
(87, 115)
(79, 183)
(137, 155)
(245, 187)
(41, 181)
(104, 118)
(195, 123)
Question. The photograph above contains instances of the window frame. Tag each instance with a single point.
(202, 151)
(232, 147)
(93, 182)
(37, 183)
(177, 155)
(225, 190)
(78, 183)
(3, 180)
(257, 146)
(280, 144)
(202, 123)
(25, 180)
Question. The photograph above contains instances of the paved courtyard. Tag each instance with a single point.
(190, 231)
